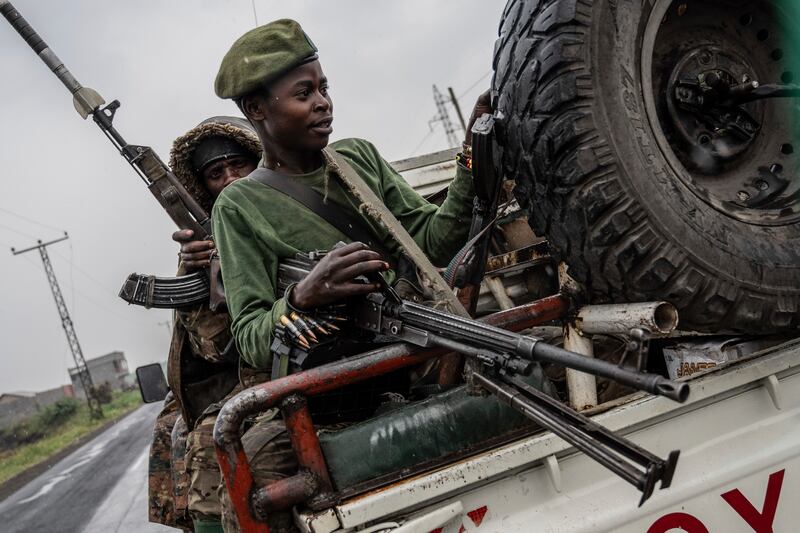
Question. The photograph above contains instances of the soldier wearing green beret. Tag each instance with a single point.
(274, 75)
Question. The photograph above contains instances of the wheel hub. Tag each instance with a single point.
(715, 69)
(697, 90)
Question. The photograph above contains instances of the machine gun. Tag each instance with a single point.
(503, 357)
(182, 208)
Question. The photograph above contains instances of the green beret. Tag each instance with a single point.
(261, 56)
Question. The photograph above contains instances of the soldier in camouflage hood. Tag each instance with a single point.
(203, 361)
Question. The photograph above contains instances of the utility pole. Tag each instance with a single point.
(454, 101)
(443, 117)
(66, 322)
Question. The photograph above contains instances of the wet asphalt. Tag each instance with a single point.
(100, 487)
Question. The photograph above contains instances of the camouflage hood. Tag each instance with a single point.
(180, 157)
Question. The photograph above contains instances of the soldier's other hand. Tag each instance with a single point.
(483, 105)
(333, 278)
(194, 255)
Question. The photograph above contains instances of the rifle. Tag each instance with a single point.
(182, 208)
(502, 356)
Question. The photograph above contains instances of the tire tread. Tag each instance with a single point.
(568, 177)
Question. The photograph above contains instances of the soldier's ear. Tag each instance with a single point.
(253, 107)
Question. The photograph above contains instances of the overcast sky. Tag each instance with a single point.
(159, 58)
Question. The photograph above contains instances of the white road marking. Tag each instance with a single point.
(47, 487)
(93, 452)
(90, 454)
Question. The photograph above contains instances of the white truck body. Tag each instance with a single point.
(739, 438)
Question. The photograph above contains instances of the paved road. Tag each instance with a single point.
(99, 488)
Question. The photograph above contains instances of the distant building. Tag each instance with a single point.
(111, 368)
(21, 405)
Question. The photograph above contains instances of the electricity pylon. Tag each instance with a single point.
(443, 117)
(66, 322)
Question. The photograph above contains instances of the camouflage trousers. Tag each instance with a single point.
(203, 470)
(204, 476)
(161, 501)
(271, 458)
(180, 480)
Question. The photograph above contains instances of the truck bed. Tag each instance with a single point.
(738, 434)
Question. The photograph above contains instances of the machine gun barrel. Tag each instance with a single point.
(479, 335)
(632, 463)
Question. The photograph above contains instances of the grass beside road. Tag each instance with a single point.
(80, 424)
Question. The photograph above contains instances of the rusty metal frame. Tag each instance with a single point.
(312, 482)
(516, 259)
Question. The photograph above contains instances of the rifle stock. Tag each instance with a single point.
(181, 207)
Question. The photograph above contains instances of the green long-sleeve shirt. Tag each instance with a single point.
(256, 226)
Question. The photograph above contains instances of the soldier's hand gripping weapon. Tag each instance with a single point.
(182, 208)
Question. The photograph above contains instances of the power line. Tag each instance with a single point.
(427, 136)
(21, 233)
(126, 319)
(460, 96)
(444, 117)
(72, 275)
(101, 285)
(85, 273)
(86, 297)
(457, 107)
(440, 115)
(255, 15)
(70, 259)
(23, 217)
(436, 117)
(81, 369)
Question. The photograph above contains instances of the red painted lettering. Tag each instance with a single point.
(477, 515)
(683, 521)
(761, 522)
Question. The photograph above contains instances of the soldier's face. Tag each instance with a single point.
(298, 109)
(223, 172)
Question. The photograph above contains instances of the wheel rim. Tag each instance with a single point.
(701, 62)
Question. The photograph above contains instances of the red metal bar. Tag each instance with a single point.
(530, 315)
(284, 493)
(304, 439)
(239, 481)
(230, 453)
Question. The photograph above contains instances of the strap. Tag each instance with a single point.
(283, 366)
(338, 218)
(375, 208)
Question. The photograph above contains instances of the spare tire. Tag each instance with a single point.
(643, 152)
